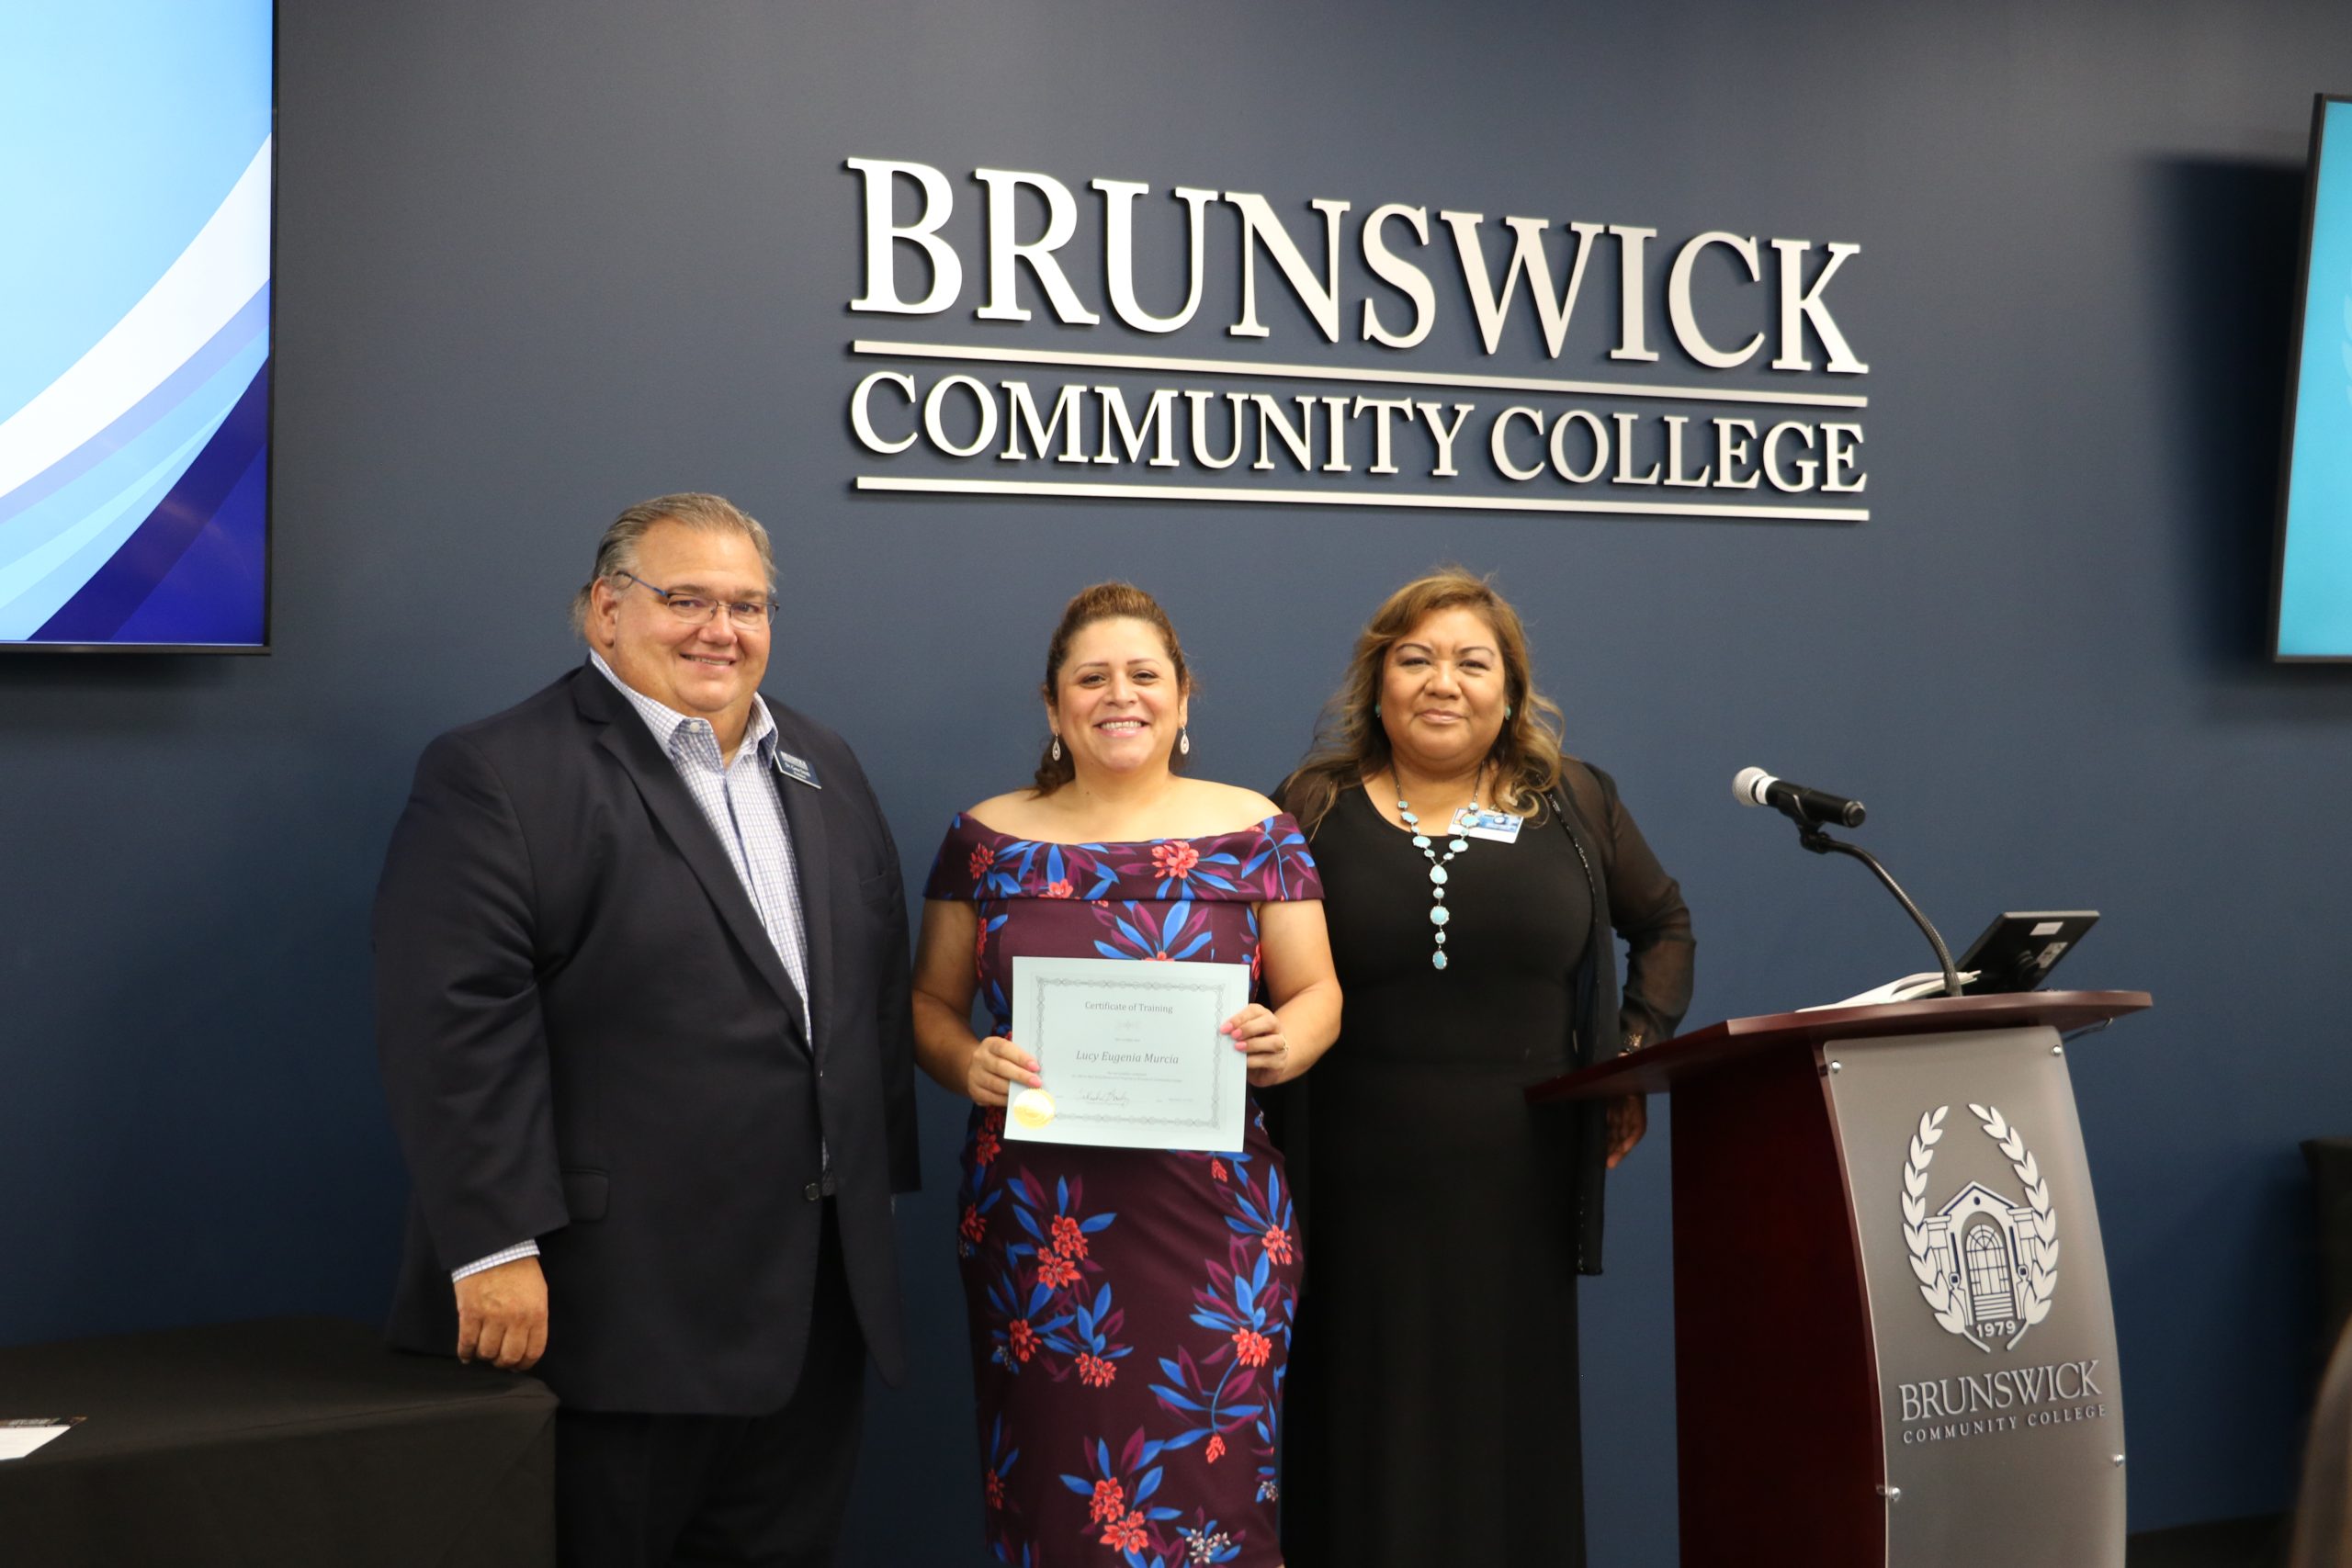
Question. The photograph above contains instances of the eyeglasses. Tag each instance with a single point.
(698, 611)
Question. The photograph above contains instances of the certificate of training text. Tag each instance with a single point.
(1130, 1053)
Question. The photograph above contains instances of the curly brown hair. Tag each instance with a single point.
(1351, 745)
(1103, 602)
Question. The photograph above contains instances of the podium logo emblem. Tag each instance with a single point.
(1987, 1262)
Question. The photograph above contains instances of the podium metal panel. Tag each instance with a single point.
(1992, 1332)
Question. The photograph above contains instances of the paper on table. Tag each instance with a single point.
(22, 1435)
(1910, 988)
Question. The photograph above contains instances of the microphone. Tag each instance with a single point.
(1809, 809)
(1754, 787)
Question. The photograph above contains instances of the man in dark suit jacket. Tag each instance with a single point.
(641, 992)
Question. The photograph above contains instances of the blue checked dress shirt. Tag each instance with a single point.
(740, 805)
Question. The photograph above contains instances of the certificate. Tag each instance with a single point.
(1130, 1053)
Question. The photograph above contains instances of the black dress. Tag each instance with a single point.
(1432, 1414)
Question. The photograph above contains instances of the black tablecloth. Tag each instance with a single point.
(295, 1441)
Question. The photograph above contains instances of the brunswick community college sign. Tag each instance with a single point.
(2001, 1409)
(1035, 413)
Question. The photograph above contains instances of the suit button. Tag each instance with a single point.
(812, 1192)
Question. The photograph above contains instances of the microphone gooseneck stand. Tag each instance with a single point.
(1813, 838)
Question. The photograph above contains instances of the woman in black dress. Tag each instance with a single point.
(1467, 865)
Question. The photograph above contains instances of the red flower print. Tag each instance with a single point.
(1053, 1270)
(1159, 957)
(1215, 1451)
(1126, 1535)
(1061, 889)
(1253, 1347)
(1110, 1501)
(987, 1147)
(1217, 1169)
(1024, 1338)
(996, 1490)
(974, 1227)
(1068, 1239)
(1277, 1242)
(983, 857)
(1175, 861)
(1094, 1372)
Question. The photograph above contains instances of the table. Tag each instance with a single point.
(304, 1442)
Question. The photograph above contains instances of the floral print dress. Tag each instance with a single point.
(1130, 1309)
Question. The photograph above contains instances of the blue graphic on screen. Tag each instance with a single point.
(134, 322)
(2315, 573)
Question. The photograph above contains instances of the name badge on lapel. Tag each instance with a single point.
(1499, 827)
(795, 768)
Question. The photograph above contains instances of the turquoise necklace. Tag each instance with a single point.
(1438, 914)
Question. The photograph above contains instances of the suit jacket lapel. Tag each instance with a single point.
(626, 738)
(804, 814)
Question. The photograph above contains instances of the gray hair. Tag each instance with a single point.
(616, 551)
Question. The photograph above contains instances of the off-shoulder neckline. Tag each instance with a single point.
(1258, 826)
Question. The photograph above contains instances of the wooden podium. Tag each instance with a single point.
(1893, 1344)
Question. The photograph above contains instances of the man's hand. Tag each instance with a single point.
(1629, 1118)
(503, 1315)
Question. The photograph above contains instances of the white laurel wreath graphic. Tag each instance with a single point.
(1937, 1288)
(1935, 1285)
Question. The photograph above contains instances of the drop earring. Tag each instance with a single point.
(1057, 748)
(1184, 741)
(1375, 710)
(1506, 710)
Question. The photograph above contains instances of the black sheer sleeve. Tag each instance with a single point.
(1646, 909)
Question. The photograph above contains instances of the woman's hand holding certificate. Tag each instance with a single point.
(1134, 1055)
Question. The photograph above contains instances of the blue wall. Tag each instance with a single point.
(536, 261)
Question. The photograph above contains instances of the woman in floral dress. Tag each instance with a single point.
(1130, 1309)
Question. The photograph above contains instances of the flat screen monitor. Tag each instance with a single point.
(2312, 597)
(2018, 951)
(135, 191)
